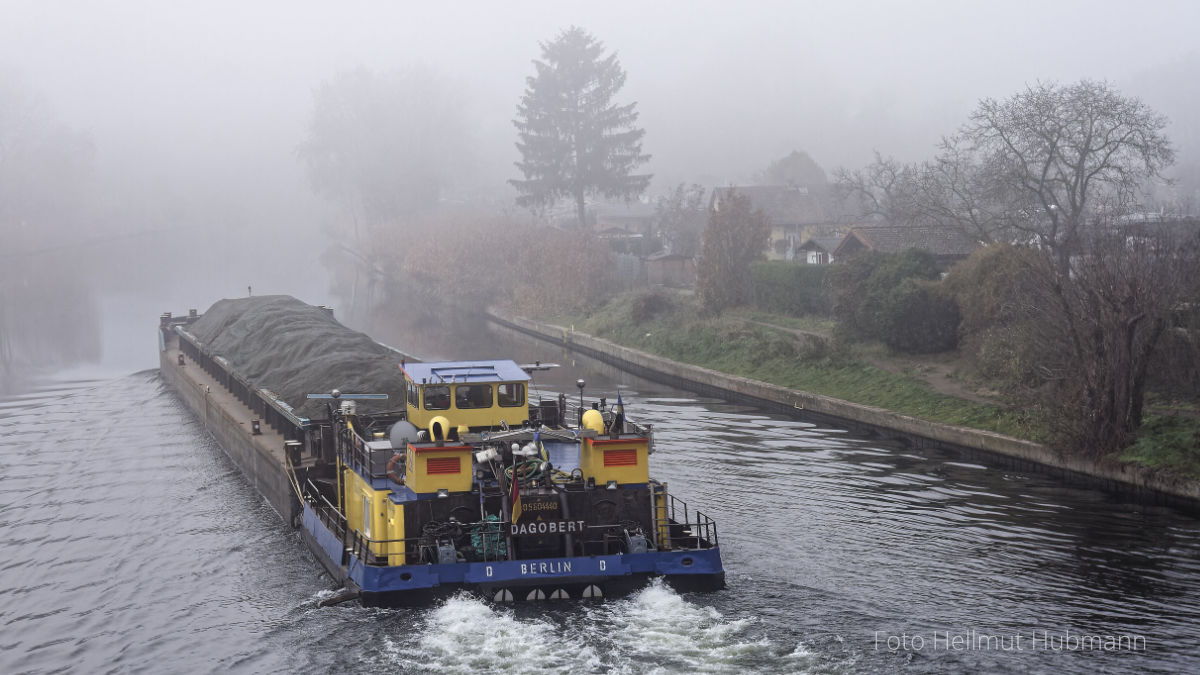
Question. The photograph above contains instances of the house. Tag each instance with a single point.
(796, 213)
(1178, 229)
(947, 243)
(621, 240)
(628, 227)
(634, 216)
(671, 269)
(817, 250)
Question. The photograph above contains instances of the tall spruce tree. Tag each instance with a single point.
(574, 141)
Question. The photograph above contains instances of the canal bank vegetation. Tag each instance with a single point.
(1079, 306)
(759, 345)
(1168, 443)
(999, 342)
(986, 356)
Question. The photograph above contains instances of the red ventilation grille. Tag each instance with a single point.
(620, 458)
(443, 465)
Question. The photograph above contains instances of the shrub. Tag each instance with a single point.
(997, 292)
(919, 319)
(788, 288)
(877, 296)
(646, 306)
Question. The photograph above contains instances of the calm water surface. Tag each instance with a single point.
(130, 543)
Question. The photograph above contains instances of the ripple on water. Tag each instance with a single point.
(128, 541)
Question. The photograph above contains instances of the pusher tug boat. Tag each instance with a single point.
(474, 487)
(470, 484)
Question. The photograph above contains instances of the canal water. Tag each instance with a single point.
(130, 543)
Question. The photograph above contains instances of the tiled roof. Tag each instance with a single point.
(937, 239)
(826, 244)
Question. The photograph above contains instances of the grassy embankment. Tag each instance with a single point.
(1170, 443)
(739, 343)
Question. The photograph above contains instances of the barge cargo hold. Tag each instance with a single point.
(434, 477)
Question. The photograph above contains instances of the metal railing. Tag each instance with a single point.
(274, 412)
(572, 411)
(355, 453)
(684, 528)
(596, 539)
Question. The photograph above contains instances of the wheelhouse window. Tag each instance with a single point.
(413, 398)
(511, 394)
(472, 396)
(437, 398)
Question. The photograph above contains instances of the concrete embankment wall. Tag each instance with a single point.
(1018, 454)
(229, 422)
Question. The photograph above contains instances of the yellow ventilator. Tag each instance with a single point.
(592, 419)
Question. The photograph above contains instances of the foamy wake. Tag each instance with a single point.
(656, 630)
(652, 631)
(466, 635)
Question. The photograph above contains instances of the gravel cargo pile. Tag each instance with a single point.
(277, 342)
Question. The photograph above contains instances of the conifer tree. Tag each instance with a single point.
(574, 141)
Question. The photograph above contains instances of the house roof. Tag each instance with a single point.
(465, 371)
(1176, 228)
(783, 204)
(940, 240)
(826, 244)
(633, 216)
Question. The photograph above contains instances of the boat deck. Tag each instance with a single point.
(221, 413)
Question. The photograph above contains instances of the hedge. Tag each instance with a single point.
(789, 288)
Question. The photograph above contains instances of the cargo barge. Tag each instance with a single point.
(446, 476)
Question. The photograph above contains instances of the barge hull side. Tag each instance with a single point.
(229, 421)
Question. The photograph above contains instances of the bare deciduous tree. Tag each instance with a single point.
(1057, 167)
(885, 189)
(1107, 316)
(1038, 167)
(1063, 156)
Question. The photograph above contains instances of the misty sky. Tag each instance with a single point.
(196, 109)
(723, 87)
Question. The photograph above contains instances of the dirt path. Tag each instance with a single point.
(936, 373)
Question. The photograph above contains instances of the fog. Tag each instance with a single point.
(192, 114)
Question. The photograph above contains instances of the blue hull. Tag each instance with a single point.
(535, 579)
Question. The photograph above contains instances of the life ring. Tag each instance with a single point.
(391, 467)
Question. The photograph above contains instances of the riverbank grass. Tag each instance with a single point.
(1168, 443)
(673, 327)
